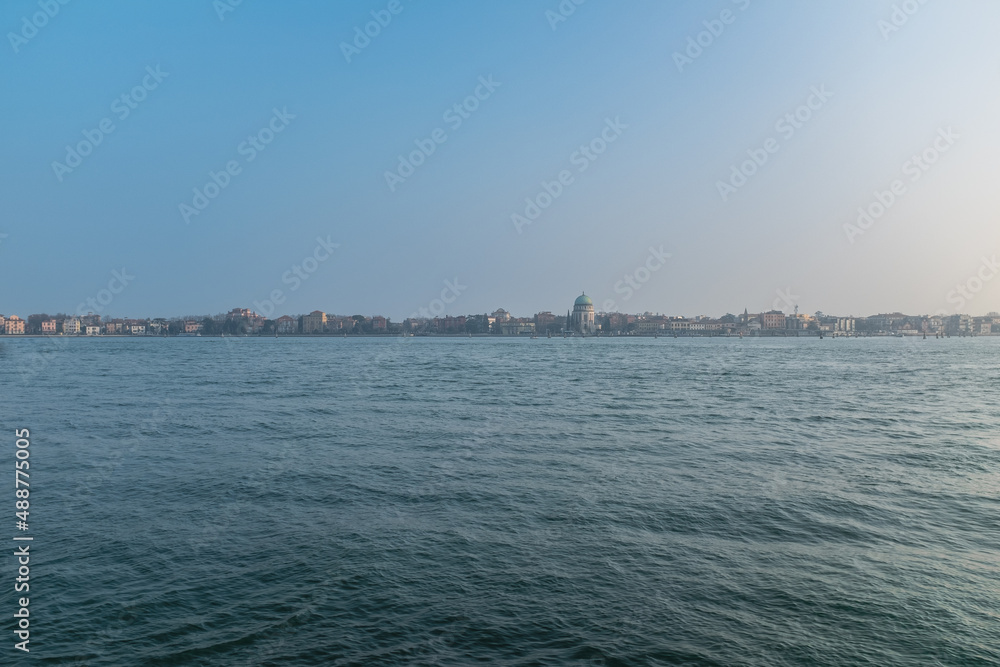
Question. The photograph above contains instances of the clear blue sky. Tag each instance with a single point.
(656, 185)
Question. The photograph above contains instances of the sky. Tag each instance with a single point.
(383, 157)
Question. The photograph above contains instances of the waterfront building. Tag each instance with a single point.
(544, 320)
(649, 326)
(342, 323)
(772, 319)
(49, 327)
(517, 328)
(314, 322)
(449, 324)
(706, 324)
(93, 330)
(72, 326)
(582, 318)
(286, 325)
(619, 321)
(256, 323)
(14, 326)
(796, 322)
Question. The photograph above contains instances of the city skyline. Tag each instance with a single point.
(445, 304)
(581, 319)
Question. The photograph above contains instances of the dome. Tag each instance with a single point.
(583, 300)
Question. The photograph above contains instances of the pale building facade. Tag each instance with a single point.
(286, 325)
(314, 322)
(14, 326)
(772, 319)
(582, 317)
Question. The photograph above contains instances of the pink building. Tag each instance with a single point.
(772, 319)
(14, 326)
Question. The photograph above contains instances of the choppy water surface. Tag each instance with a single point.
(545, 502)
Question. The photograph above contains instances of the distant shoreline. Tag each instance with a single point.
(801, 334)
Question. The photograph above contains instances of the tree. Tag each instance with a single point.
(235, 326)
(34, 323)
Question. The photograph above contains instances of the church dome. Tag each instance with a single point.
(583, 300)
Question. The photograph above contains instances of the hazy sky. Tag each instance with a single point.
(116, 112)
